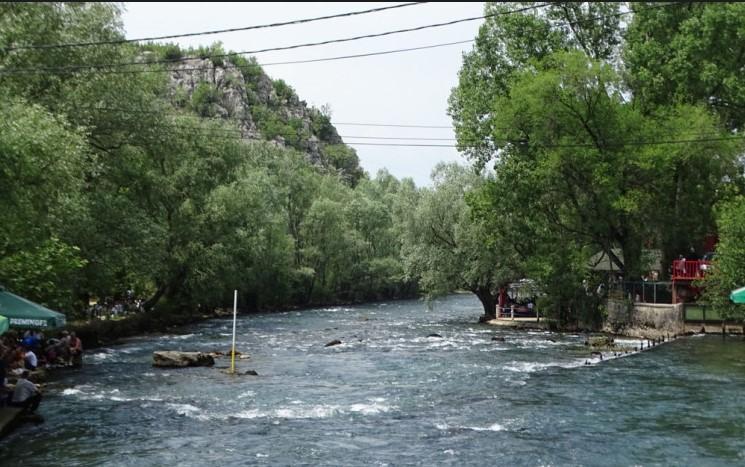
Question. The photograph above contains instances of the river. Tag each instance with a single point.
(390, 395)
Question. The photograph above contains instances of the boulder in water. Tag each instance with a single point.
(600, 341)
(251, 373)
(498, 339)
(434, 334)
(332, 343)
(176, 359)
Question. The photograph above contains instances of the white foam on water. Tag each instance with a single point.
(369, 409)
(494, 427)
(183, 336)
(71, 391)
(251, 413)
(318, 411)
(189, 410)
(315, 411)
(245, 394)
(449, 451)
(120, 399)
(532, 367)
(102, 356)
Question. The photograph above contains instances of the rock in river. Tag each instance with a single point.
(175, 359)
(333, 342)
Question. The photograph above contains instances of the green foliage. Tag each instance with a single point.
(210, 52)
(321, 126)
(445, 247)
(204, 99)
(576, 153)
(172, 52)
(686, 54)
(99, 201)
(284, 92)
(728, 270)
(45, 272)
(40, 191)
(344, 159)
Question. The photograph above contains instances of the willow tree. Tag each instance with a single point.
(447, 248)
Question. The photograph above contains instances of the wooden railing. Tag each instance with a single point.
(686, 269)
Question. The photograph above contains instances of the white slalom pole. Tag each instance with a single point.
(235, 314)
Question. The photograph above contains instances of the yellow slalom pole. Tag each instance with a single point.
(235, 313)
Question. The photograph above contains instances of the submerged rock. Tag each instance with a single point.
(498, 338)
(435, 335)
(600, 341)
(332, 343)
(176, 359)
(251, 373)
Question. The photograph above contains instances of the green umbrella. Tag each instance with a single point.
(738, 295)
(4, 325)
(22, 313)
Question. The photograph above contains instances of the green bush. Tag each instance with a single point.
(205, 99)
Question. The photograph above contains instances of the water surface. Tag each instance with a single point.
(390, 395)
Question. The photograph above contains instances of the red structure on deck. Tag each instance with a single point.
(689, 270)
(684, 272)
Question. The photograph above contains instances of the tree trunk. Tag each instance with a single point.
(488, 301)
(150, 302)
(632, 253)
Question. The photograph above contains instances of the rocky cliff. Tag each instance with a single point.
(262, 108)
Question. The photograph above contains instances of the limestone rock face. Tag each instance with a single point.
(175, 359)
(248, 102)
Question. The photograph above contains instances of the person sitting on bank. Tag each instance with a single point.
(4, 389)
(30, 360)
(26, 394)
(76, 351)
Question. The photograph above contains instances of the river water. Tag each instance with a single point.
(390, 395)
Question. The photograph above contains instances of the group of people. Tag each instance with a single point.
(22, 353)
(113, 309)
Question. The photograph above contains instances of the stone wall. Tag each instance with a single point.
(644, 319)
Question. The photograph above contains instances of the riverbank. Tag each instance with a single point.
(100, 333)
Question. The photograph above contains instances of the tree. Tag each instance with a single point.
(40, 192)
(446, 248)
(688, 53)
(728, 269)
(511, 43)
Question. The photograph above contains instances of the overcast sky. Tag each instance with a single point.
(405, 88)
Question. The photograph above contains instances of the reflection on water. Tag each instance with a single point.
(391, 395)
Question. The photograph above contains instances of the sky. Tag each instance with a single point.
(409, 88)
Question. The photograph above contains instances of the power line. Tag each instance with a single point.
(554, 146)
(391, 125)
(239, 132)
(218, 31)
(28, 71)
(152, 112)
(369, 54)
(99, 68)
(708, 136)
(274, 49)
(236, 135)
